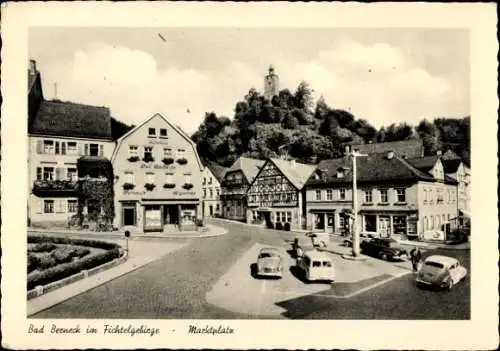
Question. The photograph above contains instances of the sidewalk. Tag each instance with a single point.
(140, 254)
(432, 246)
(212, 230)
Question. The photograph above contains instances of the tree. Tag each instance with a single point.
(322, 109)
(303, 97)
(289, 121)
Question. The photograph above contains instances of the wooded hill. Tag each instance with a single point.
(293, 124)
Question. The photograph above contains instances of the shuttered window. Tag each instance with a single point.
(39, 173)
(63, 148)
(39, 147)
(86, 152)
(101, 150)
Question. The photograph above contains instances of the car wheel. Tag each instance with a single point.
(383, 256)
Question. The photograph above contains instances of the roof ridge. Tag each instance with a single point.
(415, 171)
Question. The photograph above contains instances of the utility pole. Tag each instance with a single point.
(355, 230)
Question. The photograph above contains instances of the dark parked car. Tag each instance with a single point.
(386, 249)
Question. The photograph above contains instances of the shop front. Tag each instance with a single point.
(388, 224)
(169, 216)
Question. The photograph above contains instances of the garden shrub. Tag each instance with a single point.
(33, 262)
(43, 247)
(270, 225)
(287, 227)
(32, 239)
(67, 269)
(279, 226)
(46, 261)
(63, 254)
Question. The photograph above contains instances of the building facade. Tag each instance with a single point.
(59, 133)
(157, 178)
(235, 186)
(275, 197)
(394, 197)
(211, 189)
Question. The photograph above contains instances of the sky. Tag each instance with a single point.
(381, 75)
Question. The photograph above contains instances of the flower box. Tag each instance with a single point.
(149, 186)
(182, 161)
(148, 159)
(128, 186)
(169, 185)
(133, 158)
(187, 186)
(168, 160)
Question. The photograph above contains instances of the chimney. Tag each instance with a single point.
(292, 163)
(390, 155)
(439, 153)
(32, 67)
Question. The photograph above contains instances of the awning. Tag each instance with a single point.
(465, 213)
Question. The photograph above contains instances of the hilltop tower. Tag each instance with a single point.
(271, 83)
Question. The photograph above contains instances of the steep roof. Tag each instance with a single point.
(403, 148)
(249, 166)
(425, 163)
(217, 170)
(61, 118)
(451, 165)
(296, 173)
(369, 169)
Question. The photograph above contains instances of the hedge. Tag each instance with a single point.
(72, 241)
(67, 269)
(43, 247)
(279, 226)
(287, 227)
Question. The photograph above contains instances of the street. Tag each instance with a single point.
(195, 281)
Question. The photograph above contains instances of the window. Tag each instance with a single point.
(163, 132)
(48, 173)
(443, 218)
(430, 200)
(71, 174)
(340, 174)
(289, 217)
(318, 194)
(342, 194)
(63, 148)
(426, 223)
(150, 178)
(368, 196)
(329, 194)
(425, 195)
(148, 152)
(210, 180)
(211, 193)
(39, 173)
(167, 152)
(342, 223)
(438, 222)
(48, 146)
(72, 206)
(399, 224)
(151, 132)
(370, 223)
(217, 207)
(58, 148)
(180, 153)
(133, 151)
(72, 148)
(278, 216)
(94, 149)
(383, 195)
(432, 222)
(401, 194)
(204, 180)
(204, 193)
(129, 177)
(217, 191)
(48, 206)
(449, 217)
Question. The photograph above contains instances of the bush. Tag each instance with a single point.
(33, 262)
(269, 225)
(44, 247)
(199, 222)
(46, 261)
(287, 227)
(279, 226)
(63, 254)
(67, 269)
(35, 239)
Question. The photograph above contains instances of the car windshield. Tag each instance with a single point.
(267, 254)
(434, 264)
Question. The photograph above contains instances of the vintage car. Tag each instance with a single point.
(316, 266)
(269, 263)
(319, 239)
(384, 248)
(441, 271)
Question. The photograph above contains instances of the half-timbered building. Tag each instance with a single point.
(275, 196)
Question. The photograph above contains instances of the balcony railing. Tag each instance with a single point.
(53, 187)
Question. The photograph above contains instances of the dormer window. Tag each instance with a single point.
(317, 176)
(163, 133)
(152, 132)
(340, 173)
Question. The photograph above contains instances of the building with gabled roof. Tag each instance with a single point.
(235, 185)
(213, 175)
(59, 133)
(396, 197)
(402, 148)
(158, 178)
(275, 197)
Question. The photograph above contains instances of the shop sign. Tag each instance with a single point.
(157, 166)
(183, 193)
(132, 192)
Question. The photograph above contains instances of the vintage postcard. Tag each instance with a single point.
(249, 175)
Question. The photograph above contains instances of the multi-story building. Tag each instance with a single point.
(235, 186)
(275, 195)
(457, 169)
(158, 178)
(211, 188)
(59, 133)
(394, 197)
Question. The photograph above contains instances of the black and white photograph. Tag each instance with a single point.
(184, 179)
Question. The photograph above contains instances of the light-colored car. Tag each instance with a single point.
(441, 271)
(269, 263)
(317, 265)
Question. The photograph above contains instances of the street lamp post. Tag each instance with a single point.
(355, 234)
